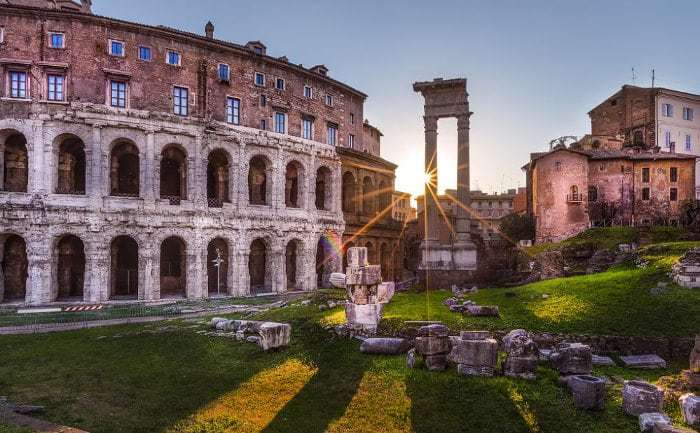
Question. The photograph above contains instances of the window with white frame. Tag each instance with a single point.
(667, 110)
(329, 100)
(18, 85)
(687, 113)
(54, 87)
(57, 40)
(307, 128)
(280, 84)
(280, 123)
(233, 110)
(2, 35)
(259, 79)
(116, 48)
(224, 72)
(173, 58)
(667, 138)
(145, 54)
(117, 93)
(332, 134)
(688, 142)
(351, 141)
(308, 92)
(181, 97)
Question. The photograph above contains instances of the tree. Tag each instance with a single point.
(518, 227)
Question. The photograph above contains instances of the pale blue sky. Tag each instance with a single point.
(535, 68)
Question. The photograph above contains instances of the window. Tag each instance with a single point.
(54, 86)
(2, 35)
(263, 124)
(308, 92)
(351, 141)
(180, 100)
(352, 118)
(687, 113)
(173, 58)
(18, 84)
(667, 138)
(145, 54)
(673, 174)
(233, 110)
(57, 40)
(224, 72)
(329, 100)
(259, 79)
(118, 94)
(263, 100)
(279, 84)
(645, 174)
(688, 142)
(116, 48)
(307, 129)
(258, 50)
(557, 166)
(280, 123)
(667, 110)
(332, 134)
(645, 194)
(674, 194)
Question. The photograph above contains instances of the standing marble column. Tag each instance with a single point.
(431, 184)
(462, 226)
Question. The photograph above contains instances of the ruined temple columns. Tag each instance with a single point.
(431, 184)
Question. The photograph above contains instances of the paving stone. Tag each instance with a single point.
(647, 362)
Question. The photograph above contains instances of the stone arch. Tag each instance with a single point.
(381, 197)
(14, 159)
(69, 253)
(294, 184)
(323, 267)
(348, 195)
(173, 268)
(367, 200)
(124, 171)
(71, 164)
(324, 188)
(173, 174)
(258, 267)
(218, 253)
(294, 265)
(15, 268)
(218, 178)
(124, 266)
(259, 177)
(385, 261)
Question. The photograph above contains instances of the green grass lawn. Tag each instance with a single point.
(5, 428)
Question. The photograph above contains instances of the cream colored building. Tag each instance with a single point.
(401, 209)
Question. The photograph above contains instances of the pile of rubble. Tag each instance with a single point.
(686, 273)
(267, 335)
(457, 304)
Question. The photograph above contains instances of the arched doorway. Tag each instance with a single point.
(348, 192)
(367, 199)
(14, 269)
(321, 262)
(71, 166)
(323, 188)
(124, 170)
(124, 259)
(70, 268)
(15, 163)
(257, 266)
(217, 267)
(173, 175)
(385, 261)
(218, 179)
(293, 265)
(173, 268)
(257, 181)
(292, 185)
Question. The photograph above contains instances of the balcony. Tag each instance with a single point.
(574, 198)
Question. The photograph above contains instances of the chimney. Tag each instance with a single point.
(209, 30)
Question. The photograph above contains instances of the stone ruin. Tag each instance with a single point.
(366, 293)
(523, 355)
(692, 376)
(475, 353)
(433, 344)
(686, 273)
(267, 335)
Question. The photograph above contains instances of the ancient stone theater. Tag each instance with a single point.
(143, 163)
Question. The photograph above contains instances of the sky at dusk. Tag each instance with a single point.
(534, 68)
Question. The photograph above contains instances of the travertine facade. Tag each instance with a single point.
(126, 176)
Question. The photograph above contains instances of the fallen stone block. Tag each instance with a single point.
(483, 310)
(385, 292)
(695, 356)
(572, 358)
(385, 346)
(640, 397)
(509, 338)
(668, 428)
(523, 355)
(474, 335)
(367, 315)
(545, 354)
(588, 392)
(602, 361)
(434, 330)
(274, 335)
(427, 346)
(692, 379)
(647, 421)
(475, 357)
(435, 362)
(647, 362)
(690, 408)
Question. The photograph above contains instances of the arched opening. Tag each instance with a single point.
(217, 267)
(173, 175)
(381, 197)
(348, 192)
(70, 268)
(638, 138)
(345, 255)
(15, 164)
(371, 254)
(367, 200)
(14, 269)
(257, 181)
(124, 170)
(321, 262)
(323, 188)
(71, 166)
(257, 266)
(124, 259)
(293, 265)
(385, 261)
(292, 185)
(173, 268)
(218, 179)
(592, 193)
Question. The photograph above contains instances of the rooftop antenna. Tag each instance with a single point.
(634, 77)
(653, 78)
